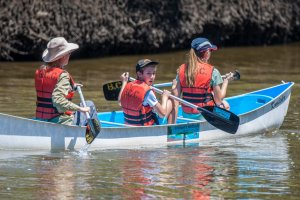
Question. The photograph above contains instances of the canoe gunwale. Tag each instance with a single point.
(284, 92)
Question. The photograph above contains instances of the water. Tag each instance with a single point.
(258, 167)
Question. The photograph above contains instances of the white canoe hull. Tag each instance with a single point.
(17, 133)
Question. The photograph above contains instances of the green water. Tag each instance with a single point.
(258, 167)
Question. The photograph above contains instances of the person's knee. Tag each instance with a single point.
(172, 110)
(173, 105)
(90, 103)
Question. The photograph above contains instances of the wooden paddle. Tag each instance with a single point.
(216, 116)
(111, 90)
(93, 126)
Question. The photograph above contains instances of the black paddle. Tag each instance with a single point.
(111, 90)
(93, 127)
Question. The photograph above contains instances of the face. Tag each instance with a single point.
(206, 56)
(147, 74)
(65, 60)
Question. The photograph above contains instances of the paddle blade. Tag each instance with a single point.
(221, 118)
(236, 75)
(93, 128)
(111, 90)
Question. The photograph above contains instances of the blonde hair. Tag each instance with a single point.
(191, 66)
(54, 63)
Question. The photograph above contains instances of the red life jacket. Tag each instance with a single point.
(201, 93)
(45, 81)
(135, 113)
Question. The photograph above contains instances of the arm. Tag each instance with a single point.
(216, 81)
(59, 93)
(224, 88)
(124, 78)
(161, 108)
(217, 95)
(228, 77)
(151, 100)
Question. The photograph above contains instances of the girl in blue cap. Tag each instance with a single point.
(199, 82)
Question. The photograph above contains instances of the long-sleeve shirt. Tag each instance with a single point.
(60, 101)
(60, 91)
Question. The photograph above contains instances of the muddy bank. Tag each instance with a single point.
(114, 27)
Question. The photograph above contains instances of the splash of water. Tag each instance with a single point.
(83, 152)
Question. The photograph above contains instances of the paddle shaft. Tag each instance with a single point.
(169, 84)
(88, 117)
(177, 98)
(83, 101)
(93, 127)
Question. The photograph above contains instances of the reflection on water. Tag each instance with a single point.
(259, 167)
(256, 167)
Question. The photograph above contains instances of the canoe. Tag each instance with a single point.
(259, 111)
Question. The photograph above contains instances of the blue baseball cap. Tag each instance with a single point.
(202, 44)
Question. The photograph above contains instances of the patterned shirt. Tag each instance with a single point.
(62, 89)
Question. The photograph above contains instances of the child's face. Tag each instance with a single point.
(64, 60)
(148, 74)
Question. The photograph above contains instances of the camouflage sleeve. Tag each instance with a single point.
(61, 89)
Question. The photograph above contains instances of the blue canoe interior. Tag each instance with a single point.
(240, 104)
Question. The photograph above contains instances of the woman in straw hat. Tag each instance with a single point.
(55, 86)
(199, 82)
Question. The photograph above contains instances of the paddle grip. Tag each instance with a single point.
(236, 75)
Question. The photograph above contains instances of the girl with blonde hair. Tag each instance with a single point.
(199, 82)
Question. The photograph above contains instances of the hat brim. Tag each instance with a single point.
(212, 48)
(50, 58)
(149, 63)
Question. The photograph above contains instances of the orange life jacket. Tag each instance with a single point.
(45, 81)
(135, 113)
(201, 93)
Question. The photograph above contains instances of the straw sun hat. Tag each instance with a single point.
(57, 48)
